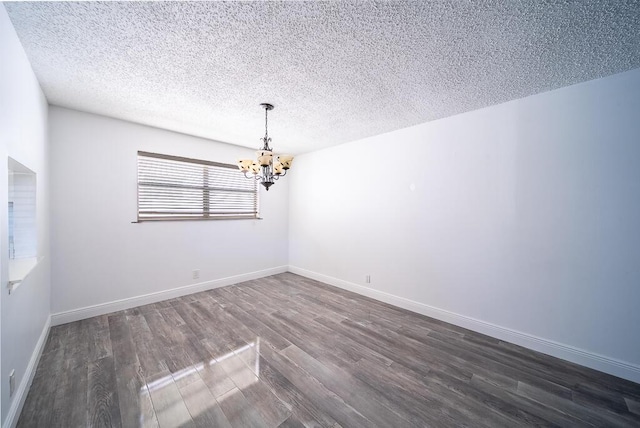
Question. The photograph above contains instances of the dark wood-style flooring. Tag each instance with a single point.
(286, 351)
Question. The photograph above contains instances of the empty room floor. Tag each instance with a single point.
(286, 351)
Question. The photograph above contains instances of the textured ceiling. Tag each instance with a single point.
(336, 71)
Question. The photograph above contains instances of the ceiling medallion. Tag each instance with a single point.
(266, 169)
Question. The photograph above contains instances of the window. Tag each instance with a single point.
(12, 225)
(176, 188)
(22, 211)
(23, 239)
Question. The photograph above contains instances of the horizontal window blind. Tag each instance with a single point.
(176, 188)
(22, 216)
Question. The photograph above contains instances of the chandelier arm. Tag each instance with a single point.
(255, 177)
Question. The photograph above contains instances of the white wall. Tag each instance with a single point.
(100, 256)
(517, 218)
(23, 136)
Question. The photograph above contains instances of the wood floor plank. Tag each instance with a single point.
(586, 413)
(268, 405)
(332, 342)
(527, 371)
(413, 360)
(489, 411)
(223, 340)
(407, 388)
(373, 310)
(633, 405)
(57, 338)
(325, 350)
(73, 388)
(322, 397)
(38, 408)
(292, 422)
(257, 395)
(290, 351)
(181, 365)
(193, 320)
(553, 416)
(168, 404)
(164, 335)
(203, 407)
(239, 412)
(358, 395)
(151, 358)
(591, 395)
(215, 378)
(446, 357)
(136, 408)
(102, 400)
(301, 407)
(324, 347)
(578, 375)
(99, 341)
(254, 324)
(172, 317)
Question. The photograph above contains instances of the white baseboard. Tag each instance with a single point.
(131, 302)
(25, 384)
(585, 358)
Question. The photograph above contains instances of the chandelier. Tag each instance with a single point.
(266, 169)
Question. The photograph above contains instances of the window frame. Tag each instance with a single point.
(206, 188)
(22, 223)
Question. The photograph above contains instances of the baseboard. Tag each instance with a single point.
(25, 384)
(585, 358)
(131, 302)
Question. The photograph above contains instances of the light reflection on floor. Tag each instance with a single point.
(233, 362)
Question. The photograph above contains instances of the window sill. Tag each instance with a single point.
(159, 219)
(19, 269)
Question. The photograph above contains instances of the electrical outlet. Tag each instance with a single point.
(196, 274)
(12, 383)
(368, 279)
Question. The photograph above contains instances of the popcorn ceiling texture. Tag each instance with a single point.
(336, 71)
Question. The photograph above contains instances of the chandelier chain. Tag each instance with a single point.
(266, 140)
